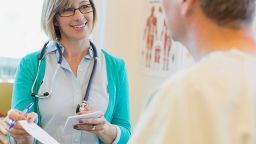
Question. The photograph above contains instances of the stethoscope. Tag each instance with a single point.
(48, 94)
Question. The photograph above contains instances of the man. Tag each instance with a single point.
(213, 102)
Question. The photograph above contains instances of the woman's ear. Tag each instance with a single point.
(187, 6)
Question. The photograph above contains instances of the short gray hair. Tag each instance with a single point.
(229, 13)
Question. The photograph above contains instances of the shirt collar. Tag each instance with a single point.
(52, 47)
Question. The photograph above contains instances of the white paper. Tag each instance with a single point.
(73, 120)
(38, 133)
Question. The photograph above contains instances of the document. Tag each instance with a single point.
(73, 120)
(38, 133)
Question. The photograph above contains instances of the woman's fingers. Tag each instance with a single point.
(32, 117)
(85, 127)
(15, 115)
(94, 125)
(18, 132)
(96, 121)
(18, 126)
(89, 127)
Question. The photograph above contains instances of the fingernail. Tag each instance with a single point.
(75, 127)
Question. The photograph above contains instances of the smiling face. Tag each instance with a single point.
(78, 26)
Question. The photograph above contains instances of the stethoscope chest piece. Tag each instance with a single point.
(81, 107)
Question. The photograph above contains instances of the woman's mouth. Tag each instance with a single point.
(79, 27)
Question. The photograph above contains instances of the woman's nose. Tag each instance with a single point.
(78, 14)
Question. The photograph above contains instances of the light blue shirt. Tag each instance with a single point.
(68, 90)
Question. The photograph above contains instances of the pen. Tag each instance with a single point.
(25, 111)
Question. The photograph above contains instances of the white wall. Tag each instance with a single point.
(122, 39)
(99, 29)
(20, 28)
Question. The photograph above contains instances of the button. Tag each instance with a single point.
(76, 138)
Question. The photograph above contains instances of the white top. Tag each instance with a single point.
(213, 102)
(68, 91)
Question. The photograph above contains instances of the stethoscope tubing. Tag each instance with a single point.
(40, 58)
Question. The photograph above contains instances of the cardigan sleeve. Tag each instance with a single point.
(121, 116)
(24, 78)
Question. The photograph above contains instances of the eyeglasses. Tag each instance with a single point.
(84, 9)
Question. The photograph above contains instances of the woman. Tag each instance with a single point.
(59, 80)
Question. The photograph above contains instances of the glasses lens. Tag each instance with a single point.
(67, 12)
(86, 9)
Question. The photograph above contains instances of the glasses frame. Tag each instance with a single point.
(79, 8)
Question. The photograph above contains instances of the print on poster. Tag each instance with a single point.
(158, 55)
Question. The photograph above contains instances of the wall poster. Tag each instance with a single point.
(160, 54)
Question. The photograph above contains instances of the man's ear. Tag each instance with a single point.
(187, 6)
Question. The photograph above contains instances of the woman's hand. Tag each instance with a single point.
(17, 132)
(99, 126)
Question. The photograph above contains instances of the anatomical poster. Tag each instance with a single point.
(160, 55)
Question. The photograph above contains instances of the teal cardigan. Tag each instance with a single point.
(118, 111)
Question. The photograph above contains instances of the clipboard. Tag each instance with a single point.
(73, 120)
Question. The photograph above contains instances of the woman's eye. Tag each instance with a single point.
(85, 6)
(68, 10)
